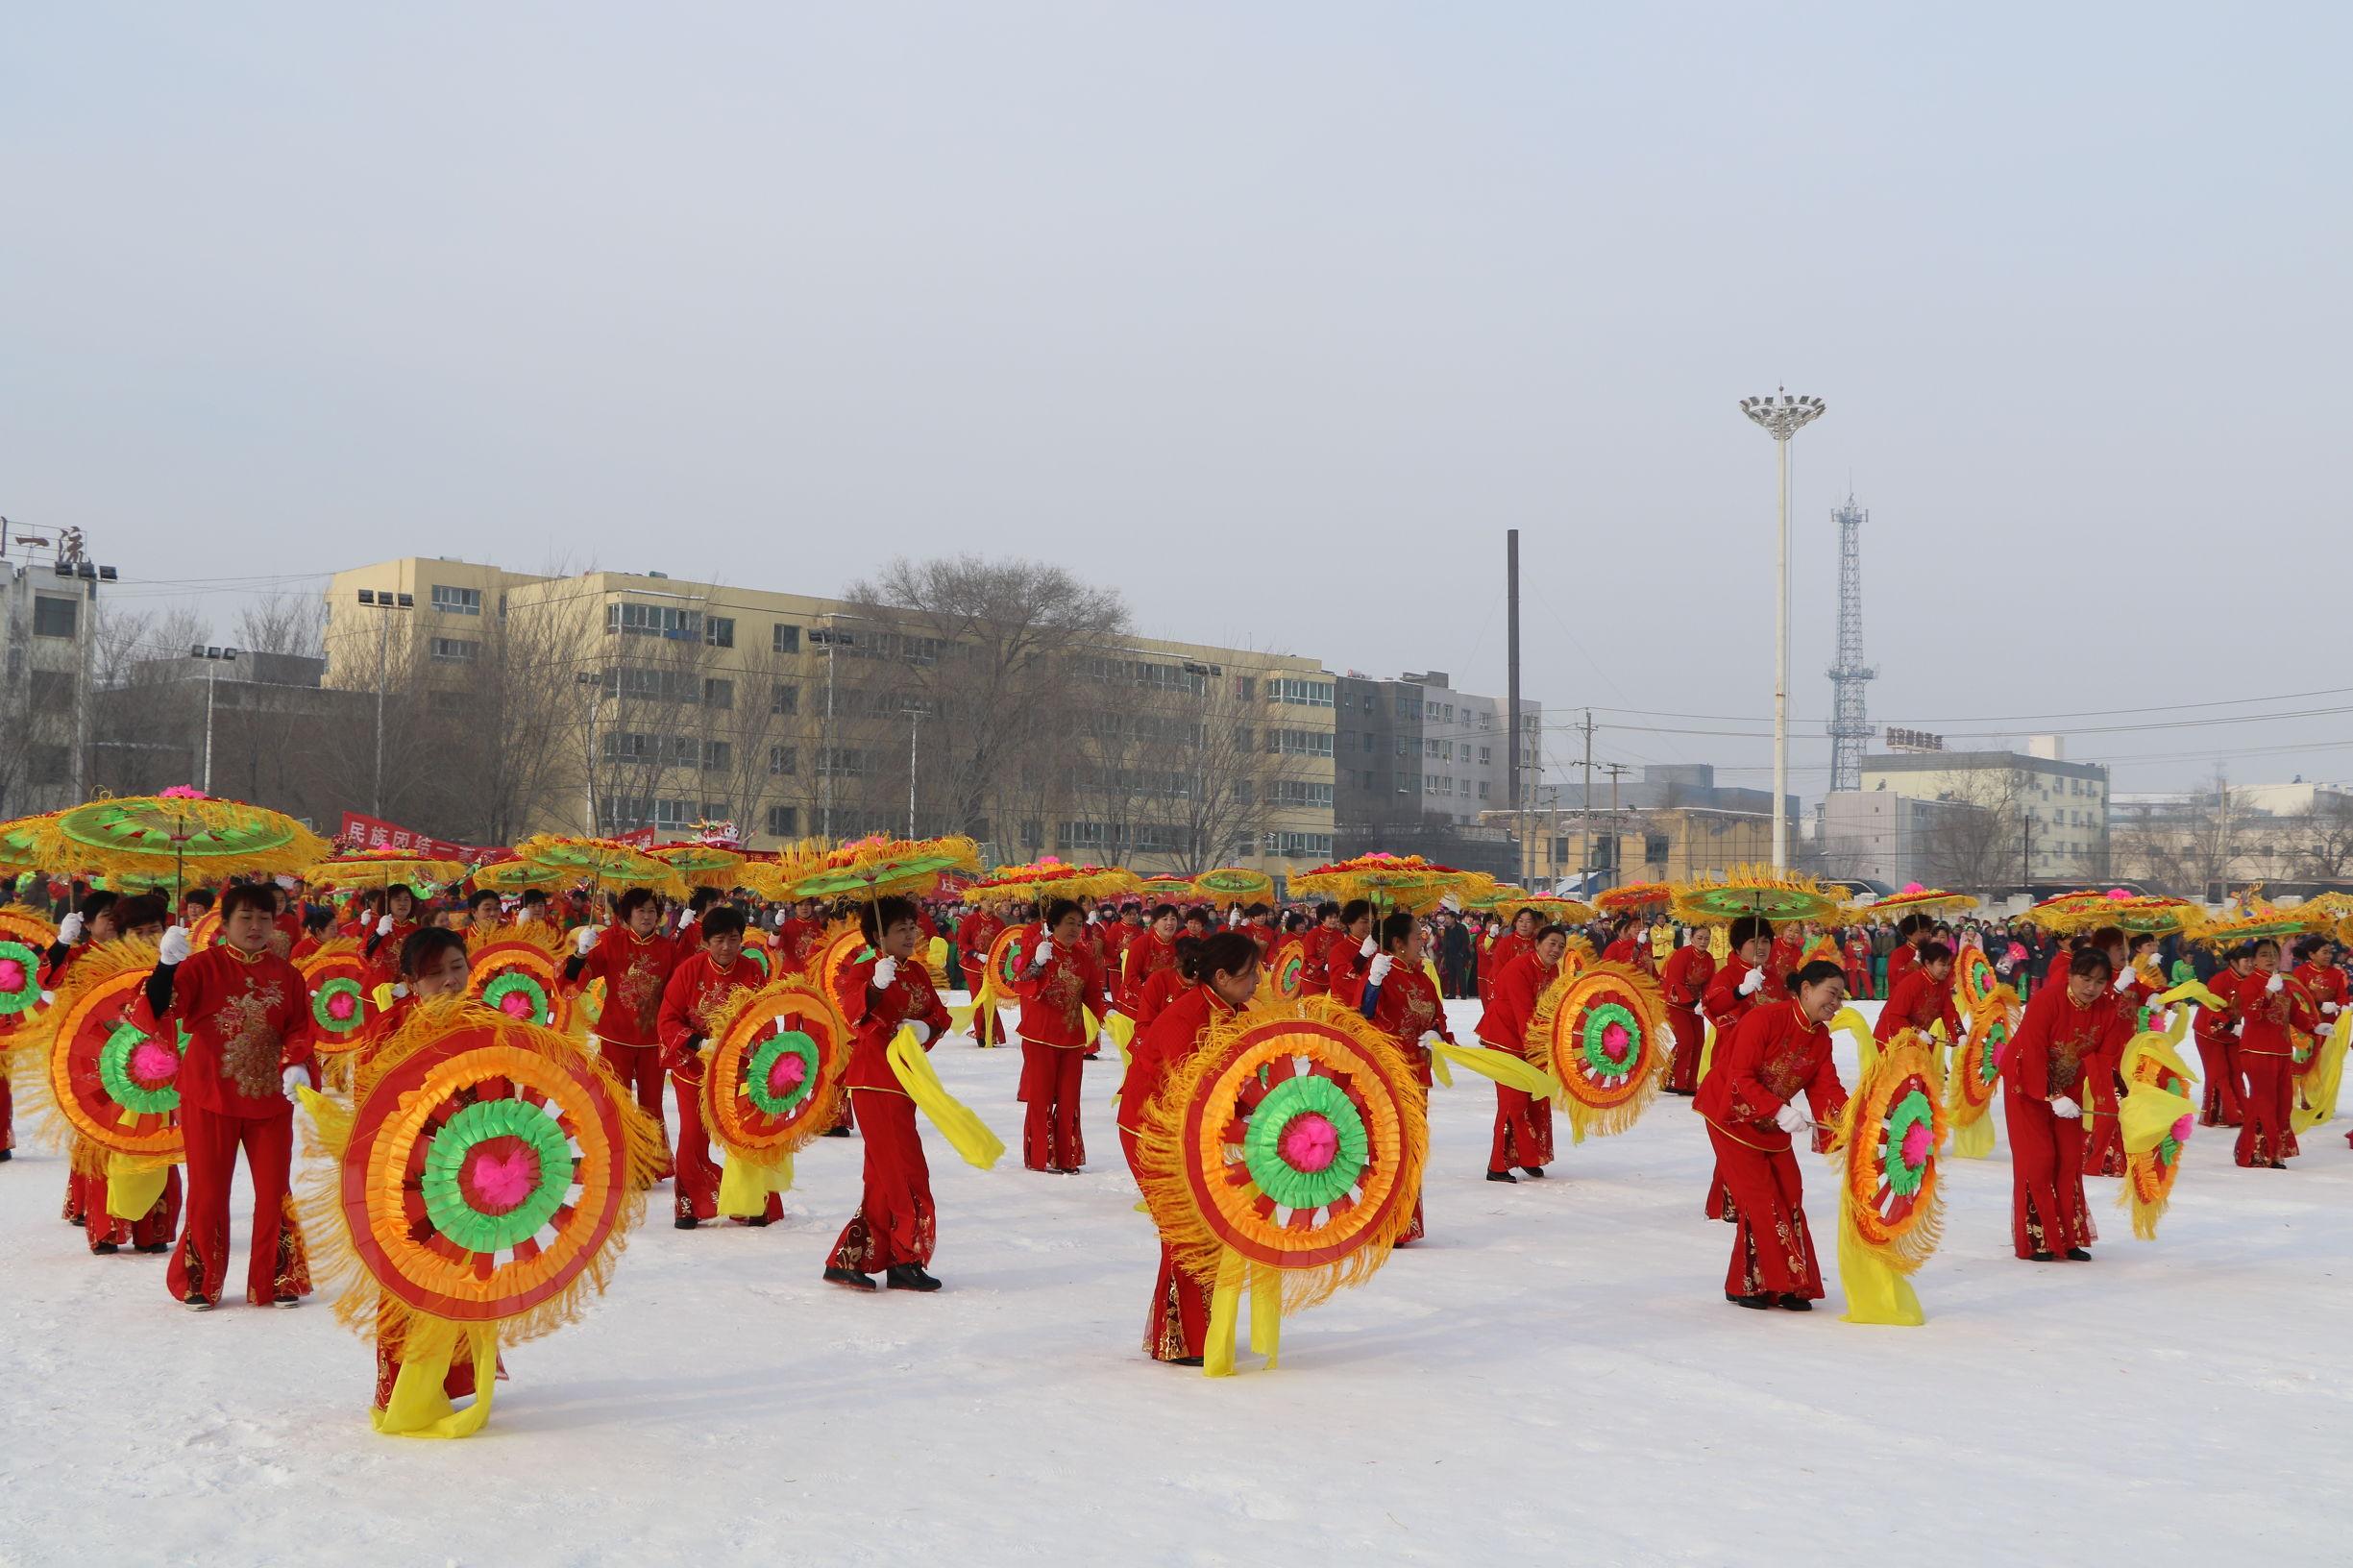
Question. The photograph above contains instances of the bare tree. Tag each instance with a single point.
(1979, 837)
(2323, 838)
(987, 645)
(294, 623)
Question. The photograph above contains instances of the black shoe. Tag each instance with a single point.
(2078, 1254)
(1502, 1176)
(2040, 1257)
(836, 1131)
(1754, 1304)
(5, 1155)
(287, 1298)
(157, 1246)
(909, 1276)
(756, 1221)
(1794, 1303)
(684, 1222)
(1186, 1360)
(196, 1304)
(104, 1249)
(849, 1277)
(1534, 1171)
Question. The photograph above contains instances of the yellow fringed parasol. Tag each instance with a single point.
(1402, 882)
(1745, 890)
(151, 834)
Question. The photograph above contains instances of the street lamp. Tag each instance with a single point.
(1781, 417)
(214, 658)
(595, 701)
(830, 639)
(378, 599)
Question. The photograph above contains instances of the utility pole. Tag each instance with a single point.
(1781, 417)
(1511, 653)
(915, 726)
(1617, 828)
(1585, 813)
(381, 601)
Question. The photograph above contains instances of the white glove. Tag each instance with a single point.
(383, 926)
(2237, 1029)
(2275, 983)
(290, 1078)
(885, 970)
(1381, 966)
(399, 989)
(1045, 950)
(920, 1029)
(2328, 1008)
(583, 939)
(2124, 978)
(47, 997)
(2066, 1110)
(1234, 915)
(70, 929)
(284, 881)
(1792, 1120)
(1751, 982)
(174, 946)
(1369, 949)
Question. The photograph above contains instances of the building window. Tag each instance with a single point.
(1247, 687)
(784, 639)
(783, 761)
(718, 756)
(1486, 754)
(840, 762)
(1299, 692)
(1655, 848)
(1482, 788)
(784, 699)
(718, 692)
(53, 691)
(630, 746)
(653, 621)
(1293, 792)
(673, 813)
(54, 617)
(450, 600)
(455, 650)
(783, 821)
(1299, 846)
(1429, 749)
(46, 765)
(718, 630)
(1300, 743)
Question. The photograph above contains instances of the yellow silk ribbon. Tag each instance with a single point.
(744, 1186)
(966, 1131)
(134, 1184)
(2321, 1080)
(1499, 1065)
(1265, 1284)
(418, 1407)
(1876, 1292)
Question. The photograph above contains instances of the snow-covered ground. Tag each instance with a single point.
(1555, 1373)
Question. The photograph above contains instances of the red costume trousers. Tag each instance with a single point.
(2048, 1213)
(695, 1195)
(1772, 1252)
(1523, 1130)
(1051, 1080)
(2103, 1139)
(155, 1228)
(8, 1114)
(639, 1067)
(1690, 1040)
(986, 1027)
(2221, 1107)
(2265, 1136)
(1858, 982)
(1178, 1324)
(895, 1222)
(274, 1261)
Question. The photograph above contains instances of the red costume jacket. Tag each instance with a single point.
(874, 1017)
(1687, 976)
(2059, 1043)
(634, 969)
(1723, 1002)
(1504, 1022)
(1146, 957)
(1918, 1001)
(1160, 993)
(2265, 1017)
(247, 1018)
(1496, 960)
(1316, 978)
(1161, 1044)
(1901, 960)
(1057, 996)
(2324, 984)
(1775, 1054)
(796, 944)
(1408, 1007)
(695, 989)
(974, 939)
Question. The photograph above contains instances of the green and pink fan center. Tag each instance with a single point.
(1910, 1140)
(781, 1073)
(141, 1073)
(339, 1006)
(1989, 1061)
(1610, 1039)
(1307, 1146)
(496, 1173)
(1293, 967)
(521, 996)
(20, 989)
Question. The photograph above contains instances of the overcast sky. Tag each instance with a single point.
(1275, 315)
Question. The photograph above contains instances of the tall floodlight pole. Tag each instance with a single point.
(1781, 417)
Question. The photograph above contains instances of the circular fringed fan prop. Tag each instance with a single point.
(776, 1061)
(1602, 1031)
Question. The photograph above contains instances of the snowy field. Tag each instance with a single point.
(1555, 1374)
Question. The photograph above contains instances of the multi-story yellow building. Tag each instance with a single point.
(630, 701)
